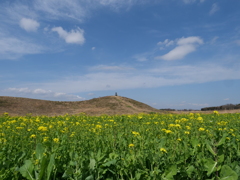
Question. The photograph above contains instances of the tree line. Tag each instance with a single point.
(223, 107)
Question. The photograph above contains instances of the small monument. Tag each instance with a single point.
(116, 94)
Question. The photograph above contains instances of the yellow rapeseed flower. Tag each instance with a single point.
(163, 150)
(201, 129)
(199, 118)
(177, 125)
(42, 128)
(187, 132)
(135, 133)
(168, 131)
(33, 136)
(99, 126)
(131, 145)
(56, 140)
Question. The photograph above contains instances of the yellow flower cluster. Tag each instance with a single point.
(135, 133)
(42, 128)
(163, 150)
(131, 145)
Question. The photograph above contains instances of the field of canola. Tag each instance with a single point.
(143, 146)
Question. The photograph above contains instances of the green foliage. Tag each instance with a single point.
(136, 147)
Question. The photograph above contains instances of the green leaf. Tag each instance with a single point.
(109, 163)
(43, 168)
(68, 173)
(210, 166)
(27, 169)
(221, 158)
(39, 151)
(90, 177)
(138, 175)
(23, 154)
(210, 148)
(227, 173)
(170, 172)
(92, 164)
(50, 166)
(222, 140)
(189, 170)
(194, 142)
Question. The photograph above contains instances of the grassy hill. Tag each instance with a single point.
(104, 105)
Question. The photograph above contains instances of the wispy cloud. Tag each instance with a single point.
(12, 47)
(213, 40)
(78, 9)
(74, 36)
(56, 9)
(110, 68)
(188, 1)
(29, 24)
(184, 47)
(192, 1)
(238, 42)
(214, 9)
(40, 94)
(178, 53)
(167, 42)
(147, 78)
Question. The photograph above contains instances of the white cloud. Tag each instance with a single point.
(190, 40)
(178, 53)
(214, 9)
(78, 9)
(140, 58)
(188, 1)
(167, 42)
(93, 48)
(12, 48)
(74, 36)
(226, 99)
(192, 1)
(214, 40)
(238, 42)
(90, 94)
(62, 9)
(29, 24)
(41, 94)
(185, 46)
(110, 68)
(148, 78)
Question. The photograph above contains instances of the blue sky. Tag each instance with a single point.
(166, 53)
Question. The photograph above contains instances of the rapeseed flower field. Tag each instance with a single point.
(141, 147)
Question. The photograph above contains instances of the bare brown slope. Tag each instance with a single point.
(104, 105)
